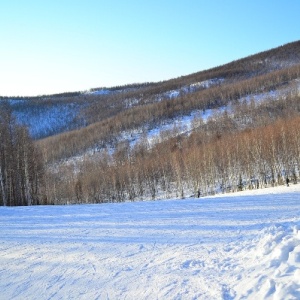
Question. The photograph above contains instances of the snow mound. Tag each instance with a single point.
(277, 272)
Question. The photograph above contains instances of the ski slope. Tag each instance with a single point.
(234, 246)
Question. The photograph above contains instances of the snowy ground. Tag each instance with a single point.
(238, 246)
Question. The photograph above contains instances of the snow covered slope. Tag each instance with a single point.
(45, 120)
(237, 246)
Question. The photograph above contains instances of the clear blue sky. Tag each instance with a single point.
(70, 45)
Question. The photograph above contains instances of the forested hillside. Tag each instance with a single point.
(21, 166)
(133, 142)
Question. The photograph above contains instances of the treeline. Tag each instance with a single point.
(103, 133)
(21, 166)
(217, 157)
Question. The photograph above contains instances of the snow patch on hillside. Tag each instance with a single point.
(171, 128)
(107, 91)
(206, 83)
(192, 88)
(98, 92)
(45, 120)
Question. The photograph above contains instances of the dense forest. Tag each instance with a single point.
(252, 140)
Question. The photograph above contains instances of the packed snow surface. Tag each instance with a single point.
(234, 246)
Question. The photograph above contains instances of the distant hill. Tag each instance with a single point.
(159, 132)
(52, 114)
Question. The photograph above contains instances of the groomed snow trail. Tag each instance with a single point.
(238, 246)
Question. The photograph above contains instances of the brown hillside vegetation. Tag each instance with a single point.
(215, 157)
(102, 133)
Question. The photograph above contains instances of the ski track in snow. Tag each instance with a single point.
(234, 246)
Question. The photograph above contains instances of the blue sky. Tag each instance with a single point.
(71, 45)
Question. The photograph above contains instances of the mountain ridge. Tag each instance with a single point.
(279, 53)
